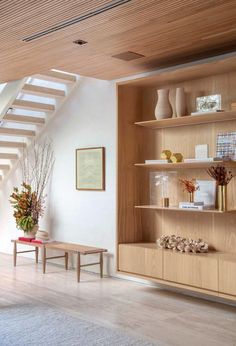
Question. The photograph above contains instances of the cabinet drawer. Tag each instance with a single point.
(227, 276)
(191, 269)
(143, 259)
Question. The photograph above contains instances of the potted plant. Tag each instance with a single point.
(36, 163)
(222, 176)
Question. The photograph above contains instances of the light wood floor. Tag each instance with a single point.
(167, 317)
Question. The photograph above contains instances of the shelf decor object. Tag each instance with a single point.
(163, 181)
(180, 102)
(210, 103)
(222, 176)
(90, 169)
(226, 145)
(191, 186)
(201, 151)
(163, 108)
(177, 243)
(206, 193)
(176, 158)
(166, 154)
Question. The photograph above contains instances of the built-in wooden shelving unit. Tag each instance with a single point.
(188, 120)
(186, 165)
(156, 207)
(138, 229)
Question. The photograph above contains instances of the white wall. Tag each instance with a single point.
(86, 119)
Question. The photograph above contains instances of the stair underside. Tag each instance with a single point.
(12, 148)
(42, 91)
(25, 119)
(55, 76)
(36, 106)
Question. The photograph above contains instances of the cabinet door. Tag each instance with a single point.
(140, 259)
(227, 276)
(191, 269)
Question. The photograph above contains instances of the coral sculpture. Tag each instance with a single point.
(178, 243)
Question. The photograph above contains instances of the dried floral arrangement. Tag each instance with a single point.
(36, 164)
(27, 209)
(178, 243)
(220, 174)
(189, 185)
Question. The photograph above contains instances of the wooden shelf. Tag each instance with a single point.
(188, 120)
(156, 207)
(186, 165)
(211, 253)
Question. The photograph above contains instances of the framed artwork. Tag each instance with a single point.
(90, 169)
(226, 145)
(210, 103)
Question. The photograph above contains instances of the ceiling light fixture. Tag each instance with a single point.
(80, 42)
(63, 25)
(128, 56)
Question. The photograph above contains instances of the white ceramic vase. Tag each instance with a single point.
(32, 233)
(163, 108)
(180, 102)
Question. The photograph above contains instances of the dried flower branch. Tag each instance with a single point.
(189, 185)
(220, 174)
(36, 164)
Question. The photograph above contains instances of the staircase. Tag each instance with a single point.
(25, 108)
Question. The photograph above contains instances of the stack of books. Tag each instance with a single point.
(26, 239)
(191, 205)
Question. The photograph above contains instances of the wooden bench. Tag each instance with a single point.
(66, 248)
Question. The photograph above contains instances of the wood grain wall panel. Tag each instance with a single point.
(165, 32)
(218, 230)
(227, 277)
(129, 106)
(141, 260)
(191, 269)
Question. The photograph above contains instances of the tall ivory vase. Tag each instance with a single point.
(180, 102)
(163, 108)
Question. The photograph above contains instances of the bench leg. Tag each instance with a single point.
(44, 260)
(66, 260)
(14, 254)
(101, 264)
(78, 267)
(37, 255)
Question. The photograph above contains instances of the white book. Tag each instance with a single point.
(208, 159)
(196, 207)
(202, 113)
(156, 161)
(191, 204)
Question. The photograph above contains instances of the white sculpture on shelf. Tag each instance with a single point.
(181, 244)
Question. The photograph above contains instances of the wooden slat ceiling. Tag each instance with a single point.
(166, 32)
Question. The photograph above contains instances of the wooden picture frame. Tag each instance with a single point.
(90, 169)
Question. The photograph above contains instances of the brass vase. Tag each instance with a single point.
(222, 197)
(165, 202)
(191, 197)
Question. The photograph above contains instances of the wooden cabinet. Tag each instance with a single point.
(140, 213)
(227, 274)
(192, 269)
(143, 259)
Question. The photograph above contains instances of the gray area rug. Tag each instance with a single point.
(22, 325)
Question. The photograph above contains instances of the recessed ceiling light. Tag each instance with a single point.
(80, 42)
